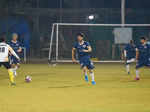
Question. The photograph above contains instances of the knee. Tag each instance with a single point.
(91, 71)
(84, 69)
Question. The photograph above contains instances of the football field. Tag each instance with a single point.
(63, 89)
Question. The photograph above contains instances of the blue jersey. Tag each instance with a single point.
(144, 51)
(130, 50)
(84, 57)
(80, 49)
(15, 46)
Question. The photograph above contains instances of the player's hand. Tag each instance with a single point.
(19, 51)
(74, 61)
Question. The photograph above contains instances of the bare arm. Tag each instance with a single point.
(19, 50)
(73, 54)
(89, 49)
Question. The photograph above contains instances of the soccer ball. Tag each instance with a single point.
(28, 78)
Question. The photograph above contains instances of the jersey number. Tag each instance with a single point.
(2, 49)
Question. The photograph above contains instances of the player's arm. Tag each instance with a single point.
(88, 50)
(137, 54)
(73, 55)
(13, 52)
(19, 50)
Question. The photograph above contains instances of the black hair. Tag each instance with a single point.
(2, 39)
(143, 38)
(81, 34)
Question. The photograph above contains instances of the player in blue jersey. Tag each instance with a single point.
(129, 54)
(84, 49)
(16, 45)
(142, 56)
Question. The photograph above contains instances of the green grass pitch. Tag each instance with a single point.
(62, 89)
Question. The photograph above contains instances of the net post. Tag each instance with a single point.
(57, 28)
(51, 43)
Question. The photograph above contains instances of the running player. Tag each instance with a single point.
(5, 50)
(129, 54)
(142, 56)
(84, 49)
(16, 45)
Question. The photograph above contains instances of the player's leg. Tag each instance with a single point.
(139, 65)
(10, 72)
(15, 65)
(128, 62)
(137, 74)
(128, 68)
(92, 76)
(90, 67)
(85, 73)
(15, 68)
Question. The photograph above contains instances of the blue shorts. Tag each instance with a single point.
(142, 63)
(86, 62)
(14, 60)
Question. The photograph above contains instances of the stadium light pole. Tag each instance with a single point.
(60, 11)
(123, 12)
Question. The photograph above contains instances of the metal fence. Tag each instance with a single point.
(33, 22)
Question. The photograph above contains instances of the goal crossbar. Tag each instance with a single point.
(84, 24)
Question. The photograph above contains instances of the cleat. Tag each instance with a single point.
(137, 78)
(86, 78)
(93, 83)
(13, 84)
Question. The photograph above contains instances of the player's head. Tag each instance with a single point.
(14, 36)
(2, 39)
(143, 40)
(131, 42)
(80, 36)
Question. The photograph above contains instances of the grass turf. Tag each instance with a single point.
(62, 89)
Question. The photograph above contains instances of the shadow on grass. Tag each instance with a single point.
(129, 81)
(81, 85)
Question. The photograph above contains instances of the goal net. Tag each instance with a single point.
(107, 40)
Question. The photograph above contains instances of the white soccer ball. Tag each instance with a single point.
(28, 78)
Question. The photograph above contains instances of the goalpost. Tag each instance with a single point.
(104, 39)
